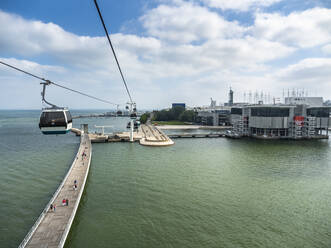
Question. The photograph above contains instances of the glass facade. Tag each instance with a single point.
(236, 111)
(318, 112)
(270, 112)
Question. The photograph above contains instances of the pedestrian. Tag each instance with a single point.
(63, 202)
(51, 207)
(67, 202)
(54, 207)
(75, 186)
(75, 182)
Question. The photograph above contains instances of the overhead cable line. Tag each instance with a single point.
(112, 48)
(58, 85)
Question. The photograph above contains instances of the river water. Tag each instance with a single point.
(212, 192)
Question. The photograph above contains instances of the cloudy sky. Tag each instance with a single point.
(169, 50)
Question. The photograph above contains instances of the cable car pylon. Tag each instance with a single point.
(131, 106)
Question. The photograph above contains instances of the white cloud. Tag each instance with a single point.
(186, 22)
(327, 49)
(239, 5)
(303, 29)
(29, 66)
(188, 53)
(311, 72)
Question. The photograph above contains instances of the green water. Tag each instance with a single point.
(207, 193)
(198, 193)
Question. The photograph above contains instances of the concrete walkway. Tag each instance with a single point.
(154, 137)
(52, 227)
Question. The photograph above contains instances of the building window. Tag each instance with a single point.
(270, 112)
(318, 112)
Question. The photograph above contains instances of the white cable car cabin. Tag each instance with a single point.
(55, 121)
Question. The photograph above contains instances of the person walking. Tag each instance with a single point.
(51, 207)
(67, 202)
(63, 202)
(54, 207)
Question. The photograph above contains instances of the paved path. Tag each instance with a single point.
(54, 226)
(154, 137)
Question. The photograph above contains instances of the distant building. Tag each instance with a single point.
(214, 117)
(230, 102)
(281, 121)
(231, 97)
(178, 105)
(212, 103)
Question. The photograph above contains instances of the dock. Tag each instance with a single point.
(147, 135)
(52, 227)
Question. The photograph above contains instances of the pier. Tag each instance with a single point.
(147, 135)
(152, 136)
(52, 227)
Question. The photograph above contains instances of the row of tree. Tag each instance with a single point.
(177, 113)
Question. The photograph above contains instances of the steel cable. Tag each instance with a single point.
(58, 85)
(112, 48)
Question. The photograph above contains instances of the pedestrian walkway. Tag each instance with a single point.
(52, 227)
(154, 137)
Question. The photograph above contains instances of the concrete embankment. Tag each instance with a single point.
(192, 127)
(52, 227)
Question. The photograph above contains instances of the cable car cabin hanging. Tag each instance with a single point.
(54, 120)
(133, 116)
(136, 124)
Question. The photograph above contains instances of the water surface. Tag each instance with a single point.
(198, 193)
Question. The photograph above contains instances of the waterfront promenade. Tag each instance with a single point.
(52, 227)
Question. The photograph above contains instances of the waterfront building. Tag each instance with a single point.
(214, 116)
(294, 121)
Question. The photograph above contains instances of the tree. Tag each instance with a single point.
(188, 115)
(176, 112)
(143, 118)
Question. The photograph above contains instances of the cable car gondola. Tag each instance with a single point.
(133, 116)
(54, 120)
(136, 124)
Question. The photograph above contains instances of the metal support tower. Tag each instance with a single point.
(133, 116)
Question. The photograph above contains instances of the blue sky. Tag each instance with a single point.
(77, 16)
(170, 51)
